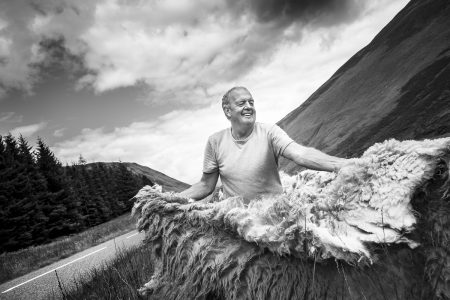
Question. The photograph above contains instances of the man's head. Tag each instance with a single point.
(238, 106)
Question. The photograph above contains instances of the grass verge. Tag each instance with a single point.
(15, 264)
(117, 279)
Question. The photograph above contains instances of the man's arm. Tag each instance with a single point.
(313, 159)
(202, 188)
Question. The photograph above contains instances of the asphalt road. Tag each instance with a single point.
(38, 284)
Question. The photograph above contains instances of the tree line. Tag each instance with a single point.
(40, 199)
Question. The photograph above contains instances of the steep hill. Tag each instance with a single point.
(168, 183)
(398, 86)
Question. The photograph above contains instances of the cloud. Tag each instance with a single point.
(183, 51)
(24, 24)
(172, 144)
(186, 53)
(28, 130)
(59, 132)
(3, 92)
(10, 117)
(286, 12)
(16, 44)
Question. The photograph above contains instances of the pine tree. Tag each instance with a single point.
(6, 229)
(81, 160)
(127, 185)
(99, 194)
(37, 192)
(62, 206)
(18, 203)
(97, 211)
(41, 200)
(79, 183)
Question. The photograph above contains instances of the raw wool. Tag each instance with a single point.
(334, 214)
(320, 215)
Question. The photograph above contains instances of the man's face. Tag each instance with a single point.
(242, 108)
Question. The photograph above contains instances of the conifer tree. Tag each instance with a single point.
(41, 200)
(36, 192)
(5, 197)
(62, 206)
(99, 194)
(81, 160)
(12, 227)
(126, 185)
(19, 207)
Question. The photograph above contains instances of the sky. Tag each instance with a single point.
(142, 80)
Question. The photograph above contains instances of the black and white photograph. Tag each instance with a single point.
(227, 149)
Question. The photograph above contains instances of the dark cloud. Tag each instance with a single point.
(31, 28)
(286, 12)
(276, 22)
(14, 72)
(58, 59)
(108, 45)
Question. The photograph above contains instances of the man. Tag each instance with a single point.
(246, 154)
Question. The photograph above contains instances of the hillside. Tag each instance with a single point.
(168, 183)
(398, 86)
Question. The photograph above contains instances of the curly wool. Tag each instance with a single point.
(320, 215)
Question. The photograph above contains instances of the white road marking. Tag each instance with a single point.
(71, 262)
(132, 235)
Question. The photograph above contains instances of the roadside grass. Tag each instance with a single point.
(117, 279)
(15, 264)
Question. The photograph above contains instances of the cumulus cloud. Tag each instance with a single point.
(183, 50)
(28, 130)
(16, 46)
(21, 36)
(172, 144)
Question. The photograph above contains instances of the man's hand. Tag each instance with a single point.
(346, 162)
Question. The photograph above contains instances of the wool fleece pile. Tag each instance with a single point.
(210, 249)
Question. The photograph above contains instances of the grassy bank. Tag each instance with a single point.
(117, 279)
(14, 264)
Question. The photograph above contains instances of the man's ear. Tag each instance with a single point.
(226, 110)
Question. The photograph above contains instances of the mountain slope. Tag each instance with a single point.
(398, 86)
(168, 183)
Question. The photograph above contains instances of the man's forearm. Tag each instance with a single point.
(197, 191)
(314, 159)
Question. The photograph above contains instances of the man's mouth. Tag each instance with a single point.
(248, 114)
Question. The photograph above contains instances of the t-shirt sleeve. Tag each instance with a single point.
(210, 164)
(280, 140)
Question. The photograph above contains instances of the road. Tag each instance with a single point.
(39, 283)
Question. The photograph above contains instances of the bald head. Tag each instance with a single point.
(238, 106)
(229, 94)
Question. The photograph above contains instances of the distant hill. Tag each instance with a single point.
(398, 86)
(168, 183)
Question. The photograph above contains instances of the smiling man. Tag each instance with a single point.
(246, 155)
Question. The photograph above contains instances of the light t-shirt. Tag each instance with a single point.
(247, 168)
